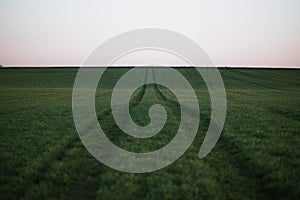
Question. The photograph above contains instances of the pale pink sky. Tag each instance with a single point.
(232, 32)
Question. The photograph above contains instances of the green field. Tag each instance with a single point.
(256, 157)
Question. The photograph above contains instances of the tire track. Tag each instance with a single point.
(172, 104)
(31, 174)
(246, 80)
(205, 120)
(229, 148)
(91, 180)
(43, 163)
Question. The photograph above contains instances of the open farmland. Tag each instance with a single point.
(256, 157)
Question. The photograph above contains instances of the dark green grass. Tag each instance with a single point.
(257, 156)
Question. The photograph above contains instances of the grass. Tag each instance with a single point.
(257, 156)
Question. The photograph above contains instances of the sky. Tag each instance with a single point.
(232, 32)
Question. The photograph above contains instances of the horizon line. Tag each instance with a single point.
(218, 66)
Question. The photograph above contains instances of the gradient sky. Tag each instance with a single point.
(232, 32)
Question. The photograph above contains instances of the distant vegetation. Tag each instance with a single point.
(257, 156)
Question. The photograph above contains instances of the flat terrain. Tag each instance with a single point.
(256, 157)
